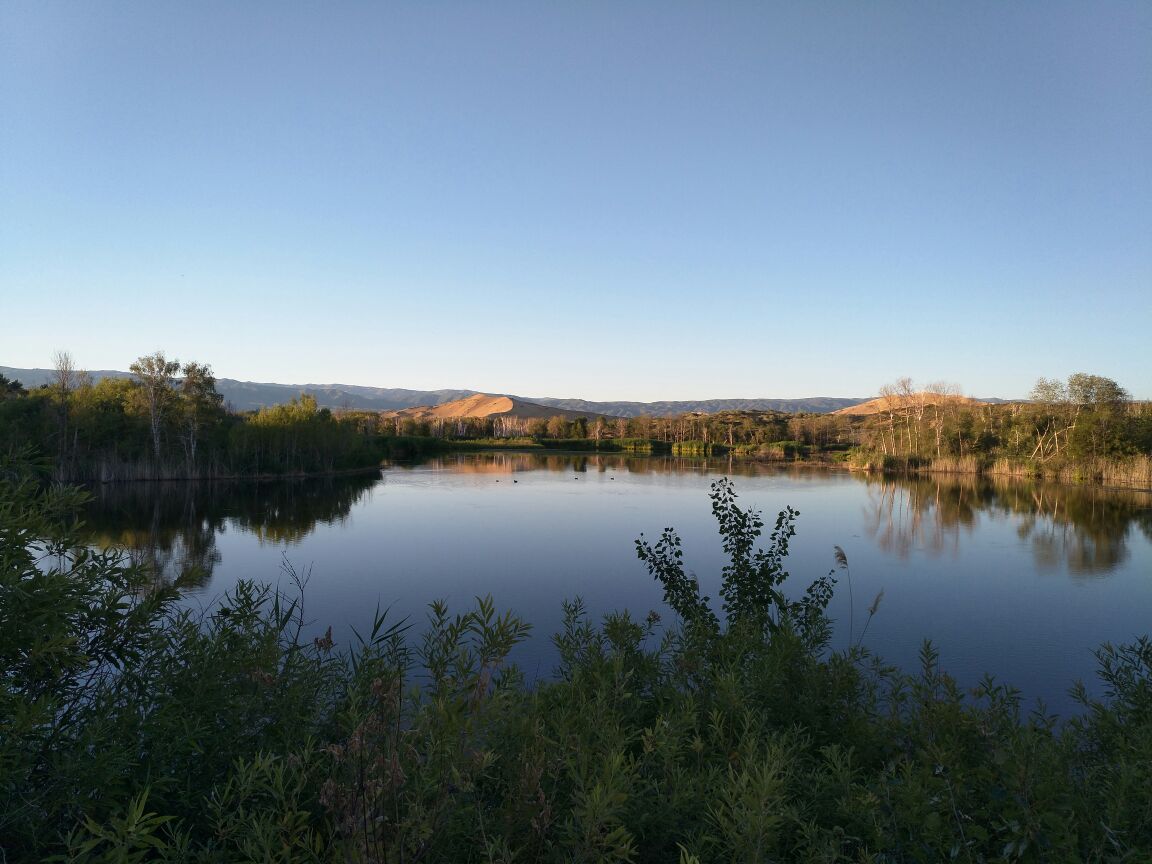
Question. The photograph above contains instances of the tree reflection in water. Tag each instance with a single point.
(171, 528)
(602, 463)
(1082, 528)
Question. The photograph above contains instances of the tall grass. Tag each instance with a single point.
(1009, 467)
(954, 465)
(1132, 473)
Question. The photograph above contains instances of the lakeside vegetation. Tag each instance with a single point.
(168, 422)
(1085, 430)
(134, 731)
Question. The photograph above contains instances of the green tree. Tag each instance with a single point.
(1049, 391)
(10, 388)
(1100, 403)
(156, 374)
(199, 406)
(1095, 391)
(1084, 412)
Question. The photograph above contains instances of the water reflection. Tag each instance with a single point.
(171, 528)
(1082, 529)
(602, 463)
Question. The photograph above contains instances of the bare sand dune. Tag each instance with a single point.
(899, 403)
(485, 405)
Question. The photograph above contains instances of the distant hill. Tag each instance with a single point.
(32, 378)
(877, 406)
(249, 396)
(484, 405)
(815, 404)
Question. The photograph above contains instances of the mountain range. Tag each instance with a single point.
(250, 395)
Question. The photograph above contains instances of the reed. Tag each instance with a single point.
(955, 465)
(1008, 467)
(1132, 473)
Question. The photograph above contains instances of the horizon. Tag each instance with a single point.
(629, 203)
(526, 397)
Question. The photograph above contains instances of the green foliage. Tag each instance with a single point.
(72, 622)
(298, 438)
(409, 447)
(156, 425)
(127, 839)
(522, 442)
(698, 448)
(751, 580)
(11, 388)
(1084, 430)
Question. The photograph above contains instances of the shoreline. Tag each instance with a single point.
(1101, 475)
(1112, 475)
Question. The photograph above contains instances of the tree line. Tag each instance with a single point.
(1080, 421)
(745, 432)
(168, 421)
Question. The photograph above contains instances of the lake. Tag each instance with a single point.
(1019, 579)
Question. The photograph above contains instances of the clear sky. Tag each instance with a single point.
(608, 200)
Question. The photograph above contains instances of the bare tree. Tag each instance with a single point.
(63, 383)
(942, 396)
(1052, 396)
(889, 394)
(907, 395)
(63, 374)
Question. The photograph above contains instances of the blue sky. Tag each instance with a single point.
(606, 200)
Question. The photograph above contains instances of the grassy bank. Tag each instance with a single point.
(1132, 472)
(131, 730)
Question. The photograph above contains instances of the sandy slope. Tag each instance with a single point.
(485, 405)
(898, 403)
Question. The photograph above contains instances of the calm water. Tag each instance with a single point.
(1021, 580)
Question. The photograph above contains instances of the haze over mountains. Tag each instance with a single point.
(250, 395)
